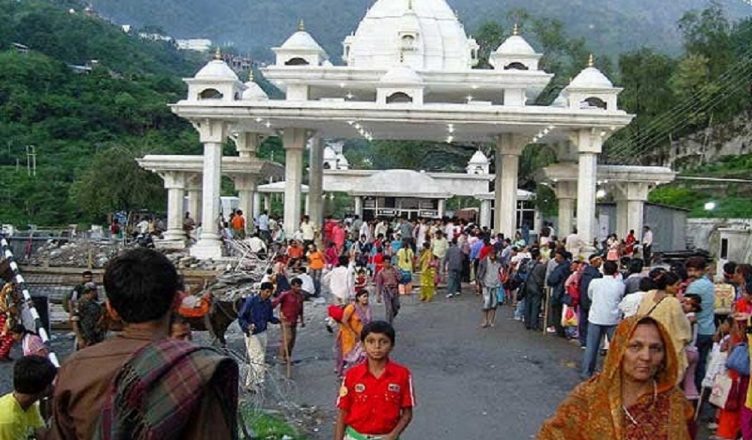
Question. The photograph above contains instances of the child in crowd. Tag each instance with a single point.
(31, 343)
(19, 410)
(361, 280)
(691, 305)
(376, 398)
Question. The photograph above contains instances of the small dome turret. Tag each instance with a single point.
(515, 53)
(300, 49)
(591, 90)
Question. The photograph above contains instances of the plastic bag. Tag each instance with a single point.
(569, 317)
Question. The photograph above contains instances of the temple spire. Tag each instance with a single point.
(516, 29)
(591, 61)
(301, 25)
(218, 54)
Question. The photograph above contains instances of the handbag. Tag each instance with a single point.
(719, 394)
(738, 360)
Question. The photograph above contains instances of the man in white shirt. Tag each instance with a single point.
(573, 244)
(365, 229)
(449, 230)
(256, 244)
(341, 281)
(606, 294)
(309, 289)
(307, 232)
(647, 245)
(381, 228)
(263, 226)
(143, 226)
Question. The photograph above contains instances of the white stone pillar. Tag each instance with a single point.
(245, 185)
(256, 204)
(508, 150)
(537, 221)
(566, 194)
(635, 217)
(212, 135)
(267, 203)
(316, 183)
(442, 208)
(632, 197)
(621, 218)
(174, 182)
(589, 145)
(247, 144)
(485, 214)
(294, 140)
(358, 206)
(194, 197)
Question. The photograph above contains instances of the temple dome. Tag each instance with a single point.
(400, 183)
(254, 92)
(401, 75)
(479, 158)
(515, 45)
(216, 69)
(301, 40)
(425, 33)
(591, 78)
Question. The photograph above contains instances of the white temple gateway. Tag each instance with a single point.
(407, 75)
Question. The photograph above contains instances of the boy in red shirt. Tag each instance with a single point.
(376, 398)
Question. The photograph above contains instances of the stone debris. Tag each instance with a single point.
(81, 254)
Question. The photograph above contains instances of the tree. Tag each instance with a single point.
(114, 181)
(489, 37)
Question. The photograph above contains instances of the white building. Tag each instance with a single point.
(408, 76)
(196, 44)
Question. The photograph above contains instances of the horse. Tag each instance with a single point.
(221, 314)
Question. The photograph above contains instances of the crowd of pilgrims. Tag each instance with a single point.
(673, 337)
(555, 288)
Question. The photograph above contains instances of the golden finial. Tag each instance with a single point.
(409, 5)
(591, 61)
(218, 54)
(516, 30)
(250, 75)
(301, 26)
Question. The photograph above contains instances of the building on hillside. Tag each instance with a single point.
(195, 44)
(20, 48)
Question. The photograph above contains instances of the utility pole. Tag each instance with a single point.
(31, 160)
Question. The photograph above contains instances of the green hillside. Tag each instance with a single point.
(256, 25)
(79, 121)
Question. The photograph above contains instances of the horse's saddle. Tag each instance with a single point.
(192, 306)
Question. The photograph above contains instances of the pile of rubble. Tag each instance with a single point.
(231, 286)
(83, 253)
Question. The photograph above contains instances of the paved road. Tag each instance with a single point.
(471, 383)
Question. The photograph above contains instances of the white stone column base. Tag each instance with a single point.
(207, 249)
(169, 243)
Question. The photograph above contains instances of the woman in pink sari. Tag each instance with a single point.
(31, 343)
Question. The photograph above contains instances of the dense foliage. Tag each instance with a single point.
(74, 120)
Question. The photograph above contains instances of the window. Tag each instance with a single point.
(594, 102)
(297, 61)
(408, 42)
(210, 94)
(399, 98)
(515, 66)
(724, 248)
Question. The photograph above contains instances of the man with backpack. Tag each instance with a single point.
(534, 290)
(556, 281)
(589, 273)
